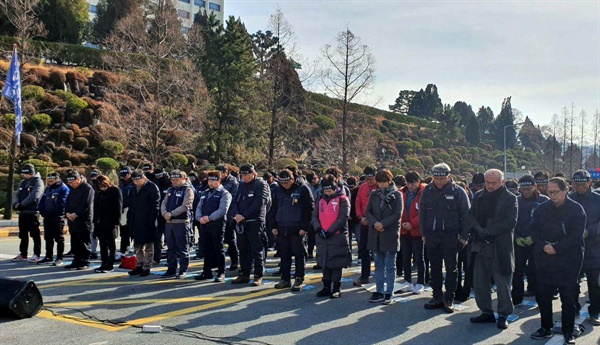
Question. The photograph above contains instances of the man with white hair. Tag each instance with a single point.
(493, 218)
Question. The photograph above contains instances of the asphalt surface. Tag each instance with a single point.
(82, 307)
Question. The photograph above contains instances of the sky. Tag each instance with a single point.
(545, 54)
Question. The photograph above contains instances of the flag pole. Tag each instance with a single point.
(11, 171)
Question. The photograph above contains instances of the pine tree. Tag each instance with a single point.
(65, 20)
(485, 116)
(472, 131)
(505, 118)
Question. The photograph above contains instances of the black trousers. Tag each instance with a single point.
(332, 275)
(443, 249)
(251, 248)
(29, 224)
(291, 244)
(211, 239)
(311, 240)
(125, 238)
(363, 253)
(568, 293)
(523, 260)
(108, 248)
(593, 283)
(158, 243)
(232, 242)
(54, 231)
(80, 246)
(412, 246)
(466, 263)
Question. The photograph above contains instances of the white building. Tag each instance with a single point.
(186, 10)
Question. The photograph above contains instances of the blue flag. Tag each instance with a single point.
(12, 91)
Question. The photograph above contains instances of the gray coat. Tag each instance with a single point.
(387, 212)
(500, 246)
(333, 252)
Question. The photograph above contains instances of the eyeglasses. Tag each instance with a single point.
(553, 192)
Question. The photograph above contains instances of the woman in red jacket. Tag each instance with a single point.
(410, 234)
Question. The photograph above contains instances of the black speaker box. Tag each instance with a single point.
(20, 299)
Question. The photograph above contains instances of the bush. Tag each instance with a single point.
(33, 92)
(40, 121)
(28, 141)
(404, 147)
(375, 134)
(49, 146)
(64, 95)
(412, 162)
(66, 136)
(281, 163)
(324, 122)
(62, 153)
(41, 166)
(107, 164)
(426, 143)
(51, 101)
(75, 105)
(57, 79)
(84, 118)
(4, 157)
(178, 160)
(80, 143)
(66, 164)
(8, 121)
(104, 131)
(112, 148)
(58, 116)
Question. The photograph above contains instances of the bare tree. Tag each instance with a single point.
(351, 70)
(596, 136)
(151, 50)
(584, 155)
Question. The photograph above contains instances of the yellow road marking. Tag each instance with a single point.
(135, 301)
(79, 321)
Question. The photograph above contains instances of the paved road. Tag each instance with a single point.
(82, 307)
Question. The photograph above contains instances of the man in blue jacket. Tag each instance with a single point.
(26, 202)
(293, 206)
(231, 184)
(583, 194)
(249, 209)
(52, 208)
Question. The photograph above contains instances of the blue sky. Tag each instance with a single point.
(545, 54)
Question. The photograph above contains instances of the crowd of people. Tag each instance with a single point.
(460, 237)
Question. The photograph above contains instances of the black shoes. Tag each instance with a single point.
(434, 303)
(325, 292)
(204, 276)
(136, 271)
(502, 322)
(569, 338)
(145, 273)
(376, 297)
(483, 318)
(542, 333)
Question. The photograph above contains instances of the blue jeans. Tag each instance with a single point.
(385, 271)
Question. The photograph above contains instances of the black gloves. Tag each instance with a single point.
(480, 233)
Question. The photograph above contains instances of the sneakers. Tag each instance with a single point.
(181, 275)
(387, 299)
(108, 269)
(298, 284)
(203, 276)
(407, 287)
(83, 266)
(257, 282)
(283, 284)
(58, 262)
(360, 281)
(483, 318)
(434, 303)
(19, 257)
(419, 288)
(219, 278)
(241, 280)
(594, 320)
(99, 270)
(137, 271)
(34, 258)
(45, 261)
(336, 292)
(542, 333)
(145, 273)
(449, 307)
(376, 297)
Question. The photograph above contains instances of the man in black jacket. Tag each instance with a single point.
(293, 205)
(26, 202)
(144, 208)
(249, 208)
(79, 211)
(52, 208)
(127, 188)
(493, 218)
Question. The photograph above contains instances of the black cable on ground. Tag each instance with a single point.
(182, 332)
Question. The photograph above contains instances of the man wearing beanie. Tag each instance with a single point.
(26, 202)
(52, 208)
(590, 200)
(528, 201)
(249, 209)
(79, 210)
